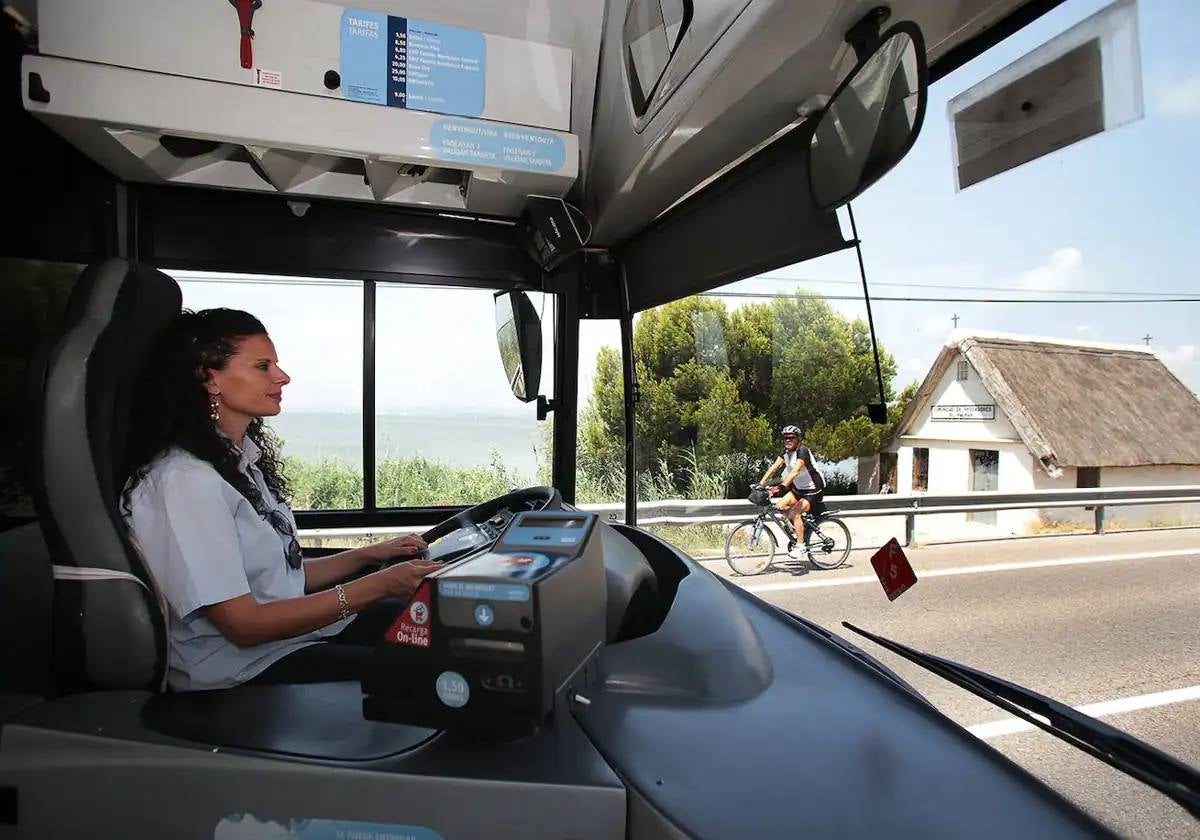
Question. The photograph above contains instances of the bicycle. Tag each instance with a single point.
(750, 547)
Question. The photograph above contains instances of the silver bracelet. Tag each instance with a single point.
(343, 603)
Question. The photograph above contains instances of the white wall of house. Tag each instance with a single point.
(1127, 515)
(1075, 516)
(1160, 476)
(950, 473)
(952, 391)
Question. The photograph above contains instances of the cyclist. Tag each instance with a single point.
(802, 482)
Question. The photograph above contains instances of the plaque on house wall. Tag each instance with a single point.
(963, 412)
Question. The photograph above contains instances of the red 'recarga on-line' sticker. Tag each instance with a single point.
(412, 627)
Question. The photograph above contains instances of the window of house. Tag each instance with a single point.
(963, 369)
(653, 29)
(887, 472)
(920, 476)
(1087, 477)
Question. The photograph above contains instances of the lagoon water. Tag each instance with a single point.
(459, 440)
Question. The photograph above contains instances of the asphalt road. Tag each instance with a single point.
(1081, 619)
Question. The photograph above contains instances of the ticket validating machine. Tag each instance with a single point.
(498, 641)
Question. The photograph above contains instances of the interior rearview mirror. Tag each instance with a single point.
(519, 336)
(872, 119)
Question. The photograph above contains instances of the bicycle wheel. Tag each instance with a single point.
(827, 545)
(750, 548)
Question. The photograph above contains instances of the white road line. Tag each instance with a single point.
(972, 570)
(1011, 725)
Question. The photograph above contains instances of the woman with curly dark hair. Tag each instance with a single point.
(206, 505)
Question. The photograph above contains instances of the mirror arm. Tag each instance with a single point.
(878, 411)
(545, 406)
(864, 35)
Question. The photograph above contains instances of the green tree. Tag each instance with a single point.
(820, 365)
(858, 436)
(715, 386)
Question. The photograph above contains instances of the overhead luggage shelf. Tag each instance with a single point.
(408, 112)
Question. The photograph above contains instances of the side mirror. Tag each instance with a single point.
(519, 335)
(872, 119)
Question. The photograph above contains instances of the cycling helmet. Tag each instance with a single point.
(790, 430)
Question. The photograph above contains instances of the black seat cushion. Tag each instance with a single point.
(316, 720)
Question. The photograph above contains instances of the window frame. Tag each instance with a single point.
(1087, 477)
(642, 96)
(371, 514)
(963, 371)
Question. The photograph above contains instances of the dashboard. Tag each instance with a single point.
(469, 537)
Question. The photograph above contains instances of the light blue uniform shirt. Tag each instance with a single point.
(204, 543)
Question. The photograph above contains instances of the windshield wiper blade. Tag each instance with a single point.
(1118, 749)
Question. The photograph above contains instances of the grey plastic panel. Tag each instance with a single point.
(646, 823)
(75, 785)
(26, 602)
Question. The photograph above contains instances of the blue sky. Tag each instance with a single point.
(1115, 212)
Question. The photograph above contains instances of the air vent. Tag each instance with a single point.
(194, 160)
(408, 184)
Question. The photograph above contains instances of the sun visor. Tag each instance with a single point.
(757, 217)
(306, 98)
(1083, 82)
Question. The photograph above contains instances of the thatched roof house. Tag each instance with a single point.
(1076, 404)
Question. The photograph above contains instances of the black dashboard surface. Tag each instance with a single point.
(734, 721)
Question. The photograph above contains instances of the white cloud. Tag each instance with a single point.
(1181, 98)
(915, 368)
(1087, 332)
(1063, 270)
(1181, 356)
(938, 326)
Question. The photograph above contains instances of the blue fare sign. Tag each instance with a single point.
(406, 63)
(502, 146)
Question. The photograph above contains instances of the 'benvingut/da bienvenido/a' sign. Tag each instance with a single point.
(963, 412)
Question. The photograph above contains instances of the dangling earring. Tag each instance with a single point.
(214, 409)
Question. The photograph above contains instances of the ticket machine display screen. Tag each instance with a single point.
(552, 522)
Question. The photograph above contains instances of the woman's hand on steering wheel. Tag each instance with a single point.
(402, 579)
(400, 548)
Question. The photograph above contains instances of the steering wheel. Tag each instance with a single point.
(470, 530)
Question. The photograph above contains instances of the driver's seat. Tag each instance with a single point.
(109, 629)
(109, 625)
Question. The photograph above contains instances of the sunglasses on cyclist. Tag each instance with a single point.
(295, 559)
(791, 437)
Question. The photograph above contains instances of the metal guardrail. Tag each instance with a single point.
(722, 511)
